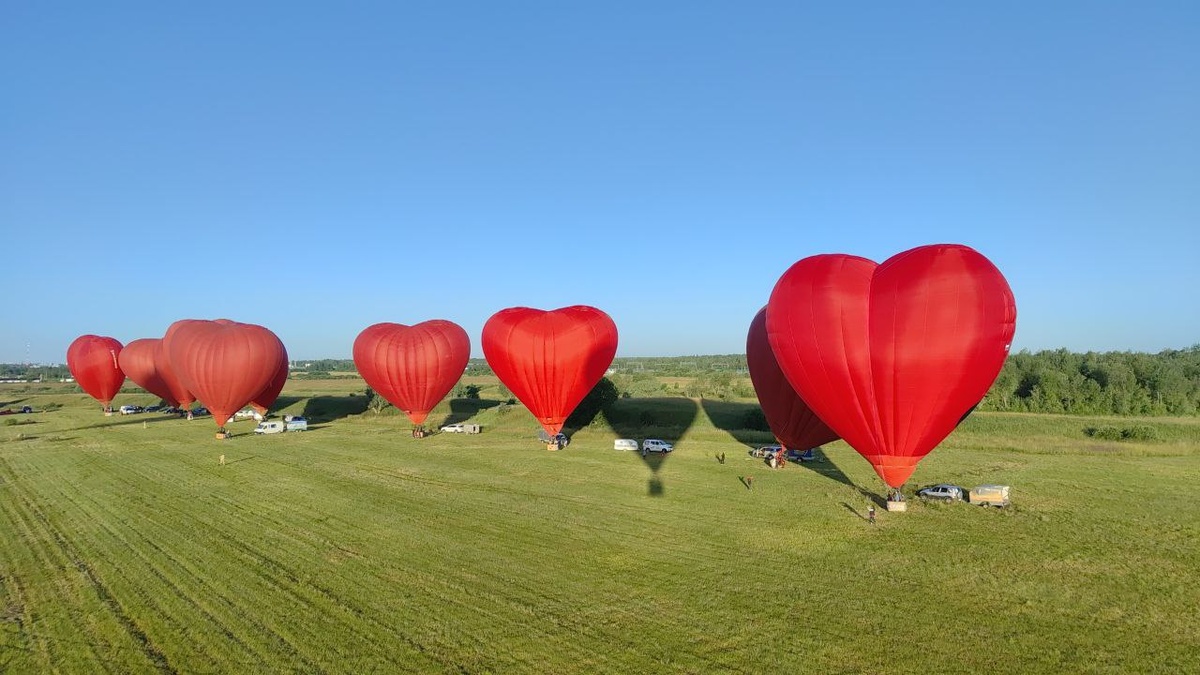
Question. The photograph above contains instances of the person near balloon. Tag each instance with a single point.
(871, 514)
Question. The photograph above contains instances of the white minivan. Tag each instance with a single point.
(625, 444)
(273, 427)
(656, 445)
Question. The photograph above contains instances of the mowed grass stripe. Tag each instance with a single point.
(361, 548)
(240, 569)
(62, 612)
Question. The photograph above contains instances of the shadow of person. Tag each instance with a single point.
(853, 510)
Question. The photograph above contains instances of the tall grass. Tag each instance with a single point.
(126, 547)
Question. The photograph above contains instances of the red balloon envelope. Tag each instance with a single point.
(550, 359)
(413, 367)
(94, 363)
(224, 363)
(266, 398)
(891, 356)
(139, 360)
(791, 420)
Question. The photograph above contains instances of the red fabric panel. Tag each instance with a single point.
(413, 367)
(94, 363)
(550, 359)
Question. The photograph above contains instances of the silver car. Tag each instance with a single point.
(942, 492)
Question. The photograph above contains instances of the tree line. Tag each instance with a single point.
(1050, 381)
(1099, 383)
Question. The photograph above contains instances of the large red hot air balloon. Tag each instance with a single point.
(224, 363)
(94, 362)
(791, 420)
(550, 359)
(413, 367)
(140, 360)
(891, 356)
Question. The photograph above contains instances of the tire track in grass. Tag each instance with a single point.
(47, 544)
(283, 579)
(201, 578)
(151, 651)
(157, 571)
(433, 605)
(197, 576)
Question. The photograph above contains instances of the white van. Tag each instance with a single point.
(656, 445)
(274, 427)
(625, 444)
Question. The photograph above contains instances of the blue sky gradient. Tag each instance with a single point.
(318, 168)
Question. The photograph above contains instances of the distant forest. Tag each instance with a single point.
(1058, 381)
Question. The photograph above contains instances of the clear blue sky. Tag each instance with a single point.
(320, 167)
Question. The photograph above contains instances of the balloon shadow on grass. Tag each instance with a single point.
(663, 418)
(732, 417)
(463, 409)
(282, 402)
(330, 408)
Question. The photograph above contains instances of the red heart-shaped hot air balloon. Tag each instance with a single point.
(94, 362)
(413, 367)
(794, 424)
(550, 359)
(891, 356)
(225, 364)
(139, 360)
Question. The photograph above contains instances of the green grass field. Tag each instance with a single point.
(126, 548)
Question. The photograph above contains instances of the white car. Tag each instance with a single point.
(624, 444)
(766, 451)
(453, 429)
(130, 409)
(656, 445)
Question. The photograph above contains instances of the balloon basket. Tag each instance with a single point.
(222, 435)
(552, 447)
(897, 506)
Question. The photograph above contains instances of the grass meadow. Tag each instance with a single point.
(125, 547)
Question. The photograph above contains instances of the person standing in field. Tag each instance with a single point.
(871, 514)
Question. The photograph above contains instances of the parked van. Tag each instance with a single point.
(625, 444)
(656, 445)
(989, 495)
(273, 427)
